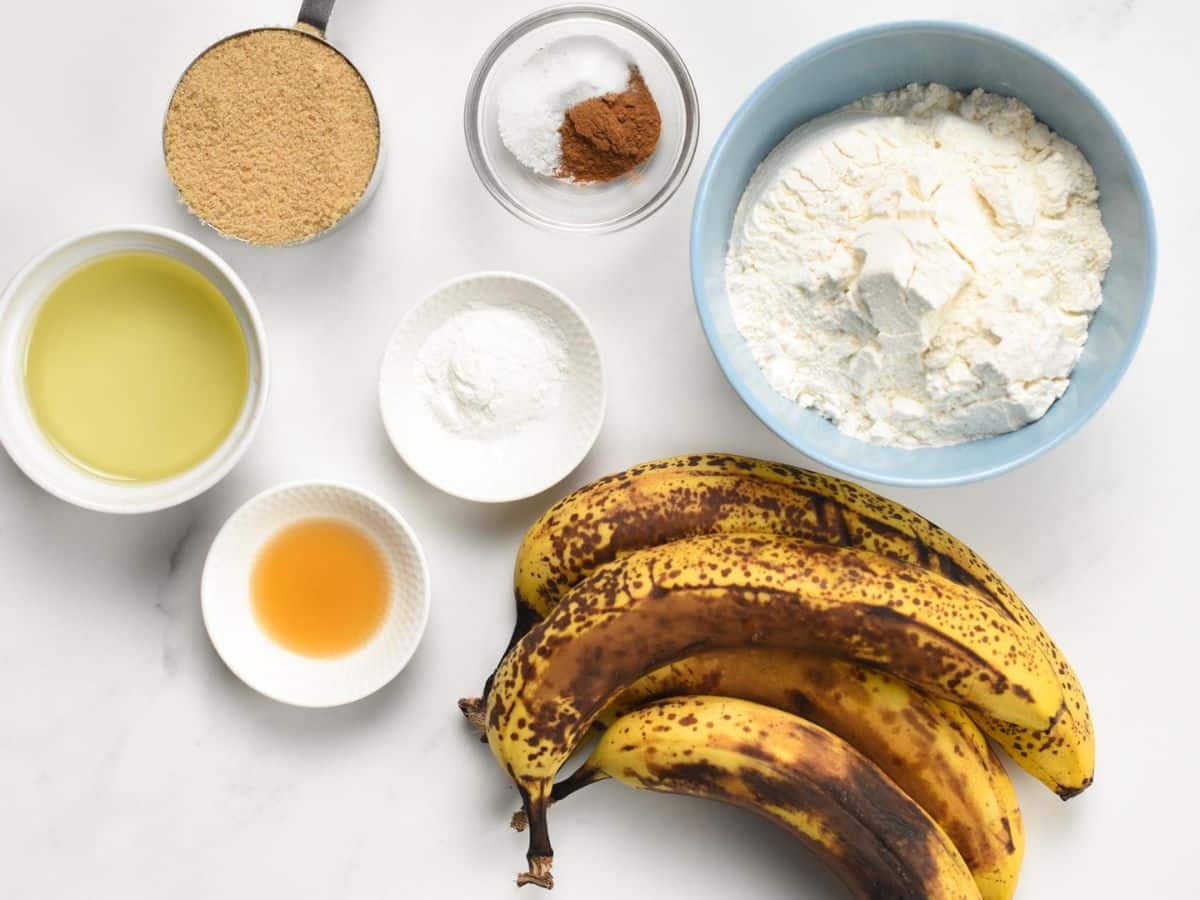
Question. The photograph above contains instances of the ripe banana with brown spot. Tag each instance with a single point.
(931, 748)
(794, 773)
(711, 493)
(665, 603)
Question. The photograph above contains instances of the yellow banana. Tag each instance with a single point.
(931, 748)
(665, 603)
(711, 493)
(794, 773)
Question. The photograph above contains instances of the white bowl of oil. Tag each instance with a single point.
(133, 369)
(315, 594)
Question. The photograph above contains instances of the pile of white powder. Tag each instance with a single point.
(534, 100)
(490, 370)
(920, 266)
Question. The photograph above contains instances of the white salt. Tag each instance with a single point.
(534, 101)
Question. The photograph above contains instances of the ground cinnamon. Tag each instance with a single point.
(605, 137)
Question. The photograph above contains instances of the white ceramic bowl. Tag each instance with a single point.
(19, 431)
(275, 671)
(516, 466)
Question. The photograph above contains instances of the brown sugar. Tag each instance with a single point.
(272, 136)
(605, 137)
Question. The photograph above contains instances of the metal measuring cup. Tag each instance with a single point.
(312, 20)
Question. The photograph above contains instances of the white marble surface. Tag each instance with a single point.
(134, 765)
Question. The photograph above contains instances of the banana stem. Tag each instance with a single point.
(540, 855)
(580, 778)
(538, 874)
(472, 709)
(586, 774)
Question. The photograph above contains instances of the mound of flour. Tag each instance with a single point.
(921, 266)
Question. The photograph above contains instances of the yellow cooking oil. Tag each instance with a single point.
(136, 367)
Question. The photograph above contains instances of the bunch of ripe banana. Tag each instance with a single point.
(795, 644)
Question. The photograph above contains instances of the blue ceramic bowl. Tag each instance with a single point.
(882, 58)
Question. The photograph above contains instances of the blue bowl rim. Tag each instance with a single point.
(714, 160)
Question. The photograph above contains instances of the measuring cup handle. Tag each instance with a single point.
(314, 14)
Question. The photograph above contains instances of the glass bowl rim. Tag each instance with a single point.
(538, 19)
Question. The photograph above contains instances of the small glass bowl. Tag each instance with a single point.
(557, 203)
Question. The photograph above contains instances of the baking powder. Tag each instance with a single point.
(490, 370)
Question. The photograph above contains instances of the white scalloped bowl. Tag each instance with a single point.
(275, 671)
(23, 438)
(511, 467)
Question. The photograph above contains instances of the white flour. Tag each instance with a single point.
(489, 370)
(535, 99)
(920, 267)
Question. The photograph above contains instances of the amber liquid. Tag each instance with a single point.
(320, 588)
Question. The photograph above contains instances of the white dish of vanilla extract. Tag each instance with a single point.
(491, 388)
